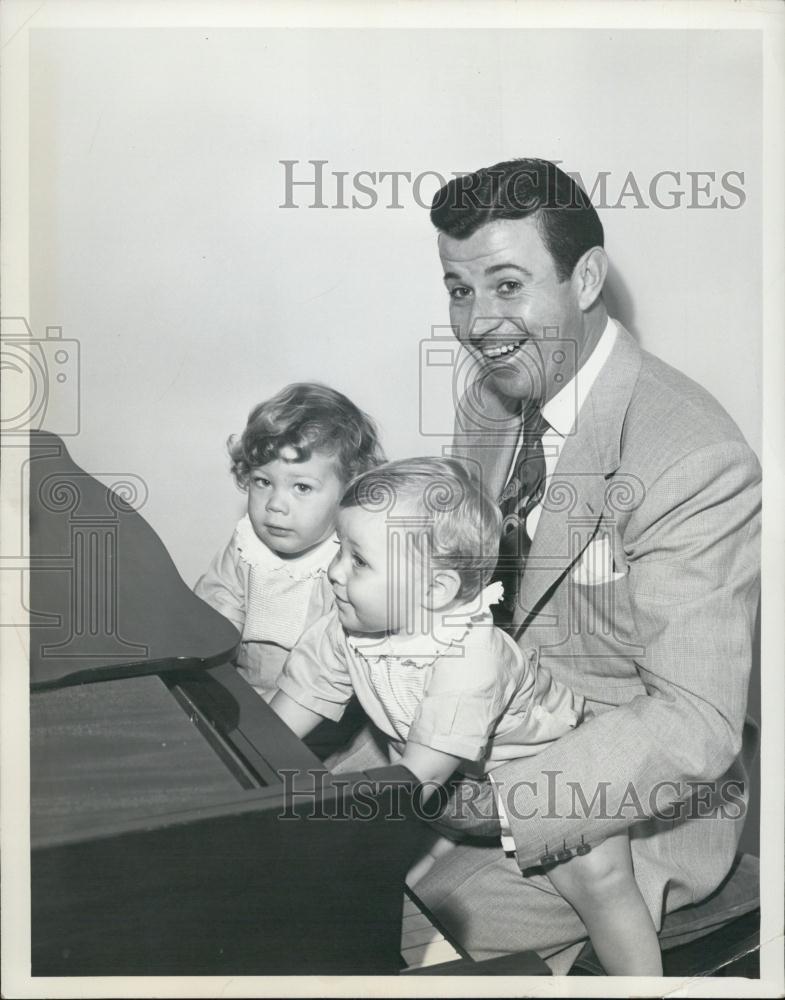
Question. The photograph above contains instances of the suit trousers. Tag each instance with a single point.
(536, 918)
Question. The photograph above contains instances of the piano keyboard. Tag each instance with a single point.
(422, 943)
(427, 950)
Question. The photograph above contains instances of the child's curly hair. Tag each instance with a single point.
(307, 417)
(462, 522)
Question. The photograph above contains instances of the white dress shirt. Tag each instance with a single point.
(562, 411)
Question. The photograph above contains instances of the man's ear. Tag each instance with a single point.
(589, 276)
(443, 589)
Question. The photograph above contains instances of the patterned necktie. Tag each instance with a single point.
(523, 492)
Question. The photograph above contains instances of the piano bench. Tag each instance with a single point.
(719, 936)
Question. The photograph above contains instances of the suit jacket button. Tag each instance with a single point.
(583, 847)
(564, 854)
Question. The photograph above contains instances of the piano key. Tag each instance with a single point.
(423, 944)
(413, 921)
(433, 953)
(419, 936)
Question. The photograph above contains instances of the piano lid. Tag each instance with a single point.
(106, 600)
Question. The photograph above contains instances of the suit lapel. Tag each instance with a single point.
(577, 494)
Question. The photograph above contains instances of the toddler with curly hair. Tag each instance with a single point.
(294, 459)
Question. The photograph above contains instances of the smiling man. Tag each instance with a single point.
(630, 556)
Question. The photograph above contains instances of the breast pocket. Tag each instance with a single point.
(596, 565)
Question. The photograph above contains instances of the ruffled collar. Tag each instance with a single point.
(449, 629)
(254, 552)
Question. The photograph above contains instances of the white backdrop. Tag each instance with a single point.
(158, 242)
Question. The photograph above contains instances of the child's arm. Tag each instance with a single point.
(315, 683)
(432, 768)
(601, 887)
(223, 586)
(429, 765)
(298, 718)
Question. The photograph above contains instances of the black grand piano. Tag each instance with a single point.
(177, 826)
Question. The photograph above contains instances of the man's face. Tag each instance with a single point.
(504, 295)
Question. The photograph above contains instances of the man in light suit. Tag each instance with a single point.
(636, 572)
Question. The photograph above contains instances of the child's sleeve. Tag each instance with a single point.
(553, 709)
(463, 701)
(316, 673)
(224, 585)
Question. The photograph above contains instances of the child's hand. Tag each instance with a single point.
(438, 847)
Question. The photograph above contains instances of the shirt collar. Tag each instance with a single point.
(561, 411)
(448, 629)
(253, 551)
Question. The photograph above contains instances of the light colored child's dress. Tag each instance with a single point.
(271, 600)
(466, 689)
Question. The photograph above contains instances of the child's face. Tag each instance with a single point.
(291, 504)
(374, 593)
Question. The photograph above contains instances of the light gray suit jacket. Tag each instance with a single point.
(640, 591)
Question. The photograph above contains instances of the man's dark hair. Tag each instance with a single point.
(517, 189)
